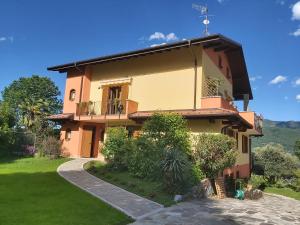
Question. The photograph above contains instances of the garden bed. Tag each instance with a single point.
(151, 190)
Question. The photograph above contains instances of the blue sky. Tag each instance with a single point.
(36, 34)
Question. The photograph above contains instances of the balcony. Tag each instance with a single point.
(112, 110)
(215, 102)
(255, 120)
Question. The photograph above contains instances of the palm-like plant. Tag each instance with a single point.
(30, 109)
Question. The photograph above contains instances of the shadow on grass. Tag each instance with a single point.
(46, 198)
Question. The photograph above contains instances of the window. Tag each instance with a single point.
(72, 95)
(237, 139)
(245, 144)
(237, 174)
(68, 134)
(220, 63)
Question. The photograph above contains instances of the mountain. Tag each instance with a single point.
(285, 133)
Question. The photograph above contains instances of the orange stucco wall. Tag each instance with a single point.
(72, 147)
(76, 78)
(214, 56)
(244, 171)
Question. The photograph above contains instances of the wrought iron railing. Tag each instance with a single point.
(96, 108)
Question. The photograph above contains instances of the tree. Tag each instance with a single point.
(297, 149)
(31, 98)
(168, 131)
(213, 153)
(274, 161)
(7, 119)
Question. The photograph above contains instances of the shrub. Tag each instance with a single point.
(144, 159)
(174, 167)
(115, 147)
(168, 131)
(257, 182)
(50, 147)
(213, 153)
(275, 162)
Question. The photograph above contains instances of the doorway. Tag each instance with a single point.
(114, 98)
(88, 140)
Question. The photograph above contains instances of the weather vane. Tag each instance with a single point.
(204, 13)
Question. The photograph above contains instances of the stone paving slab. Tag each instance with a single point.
(267, 211)
(131, 204)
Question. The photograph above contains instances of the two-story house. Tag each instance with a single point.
(199, 78)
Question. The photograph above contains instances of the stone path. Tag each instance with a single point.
(129, 203)
(267, 211)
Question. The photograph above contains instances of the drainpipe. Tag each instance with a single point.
(196, 74)
(81, 85)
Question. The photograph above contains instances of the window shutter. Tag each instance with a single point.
(104, 100)
(124, 95)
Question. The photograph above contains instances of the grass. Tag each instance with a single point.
(284, 191)
(31, 192)
(149, 189)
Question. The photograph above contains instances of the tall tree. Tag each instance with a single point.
(32, 98)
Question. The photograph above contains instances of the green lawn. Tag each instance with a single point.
(284, 191)
(148, 189)
(31, 192)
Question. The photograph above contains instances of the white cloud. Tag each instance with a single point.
(255, 78)
(278, 79)
(298, 98)
(296, 11)
(156, 36)
(171, 37)
(162, 36)
(296, 33)
(297, 82)
(155, 45)
(3, 39)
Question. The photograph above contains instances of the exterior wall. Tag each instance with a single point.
(211, 70)
(73, 81)
(159, 81)
(71, 148)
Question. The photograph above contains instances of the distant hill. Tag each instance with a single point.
(285, 133)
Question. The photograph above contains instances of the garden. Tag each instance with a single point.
(163, 161)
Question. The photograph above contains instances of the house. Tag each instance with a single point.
(199, 79)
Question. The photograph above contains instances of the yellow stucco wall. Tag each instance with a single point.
(211, 70)
(200, 126)
(161, 81)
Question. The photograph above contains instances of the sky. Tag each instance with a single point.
(37, 34)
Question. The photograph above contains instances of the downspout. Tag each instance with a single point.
(81, 85)
(195, 75)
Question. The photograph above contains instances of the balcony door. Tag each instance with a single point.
(113, 97)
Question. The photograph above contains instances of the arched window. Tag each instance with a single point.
(72, 95)
(68, 134)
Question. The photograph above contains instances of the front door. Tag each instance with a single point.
(87, 142)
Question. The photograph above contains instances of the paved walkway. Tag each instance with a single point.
(129, 203)
(267, 211)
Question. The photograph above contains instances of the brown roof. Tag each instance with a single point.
(232, 49)
(63, 116)
(216, 113)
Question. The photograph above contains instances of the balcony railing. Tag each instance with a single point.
(115, 107)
